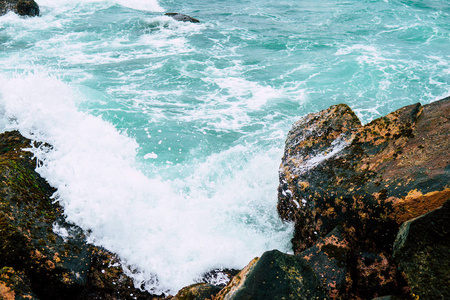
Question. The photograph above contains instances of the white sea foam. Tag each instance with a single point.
(168, 233)
(148, 5)
(225, 85)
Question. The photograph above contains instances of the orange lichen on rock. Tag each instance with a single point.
(416, 204)
(6, 293)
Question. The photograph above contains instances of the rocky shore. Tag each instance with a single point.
(369, 203)
(370, 206)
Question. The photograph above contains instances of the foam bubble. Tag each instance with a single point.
(150, 155)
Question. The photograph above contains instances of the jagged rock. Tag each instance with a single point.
(311, 141)
(21, 7)
(198, 291)
(368, 179)
(328, 259)
(422, 250)
(182, 18)
(274, 276)
(394, 169)
(42, 263)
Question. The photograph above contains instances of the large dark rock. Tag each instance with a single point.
(36, 262)
(274, 276)
(367, 179)
(373, 177)
(21, 7)
(422, 250)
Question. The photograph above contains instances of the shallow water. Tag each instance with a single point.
(167, 136)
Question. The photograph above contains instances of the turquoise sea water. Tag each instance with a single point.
(167, 136)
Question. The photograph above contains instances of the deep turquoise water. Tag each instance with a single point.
(168, 136)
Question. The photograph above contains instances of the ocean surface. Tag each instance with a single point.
(167, 136)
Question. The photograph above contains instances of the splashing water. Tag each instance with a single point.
(167, 136)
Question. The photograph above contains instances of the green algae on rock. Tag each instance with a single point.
(35, 262)
(27, 216)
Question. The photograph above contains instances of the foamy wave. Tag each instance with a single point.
(148, 5)
(168, 233)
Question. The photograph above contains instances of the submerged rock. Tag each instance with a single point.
(422, 250)
(35, 261)
(21, 7)
(274, 276)
(182, 18)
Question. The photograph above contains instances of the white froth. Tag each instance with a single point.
(148, 5)
(167, 232)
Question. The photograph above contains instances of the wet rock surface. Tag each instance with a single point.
(35, 261)
(21, 7)
(368, 180)
(15, 285)
(390, 163)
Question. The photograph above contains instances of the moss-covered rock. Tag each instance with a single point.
(274, 276)
(27, 217)
(422, 250)
(34, 260)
